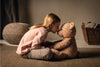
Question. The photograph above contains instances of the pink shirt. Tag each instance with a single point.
(32, 40)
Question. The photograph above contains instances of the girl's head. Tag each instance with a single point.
(51, 23)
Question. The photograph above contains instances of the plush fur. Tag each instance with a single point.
(67, 47)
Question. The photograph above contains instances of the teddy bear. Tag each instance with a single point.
(65, 48)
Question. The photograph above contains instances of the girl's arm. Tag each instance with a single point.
(39, 38)
(23, 48)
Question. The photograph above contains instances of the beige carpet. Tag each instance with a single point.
(88, 58)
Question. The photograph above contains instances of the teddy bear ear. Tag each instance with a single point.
(72, 25)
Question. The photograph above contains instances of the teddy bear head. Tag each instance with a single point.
(67, 30)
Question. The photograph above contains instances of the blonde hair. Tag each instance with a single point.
(48, 20)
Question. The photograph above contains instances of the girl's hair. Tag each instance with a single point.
(48, 20)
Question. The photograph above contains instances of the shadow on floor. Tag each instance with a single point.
(91, 53)
(83, 53)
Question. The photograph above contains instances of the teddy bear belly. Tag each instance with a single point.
(71, 52)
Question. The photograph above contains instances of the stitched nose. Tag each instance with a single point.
(58, 30)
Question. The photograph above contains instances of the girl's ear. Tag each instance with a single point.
(72, 25)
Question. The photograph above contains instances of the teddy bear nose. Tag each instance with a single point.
(58, 30)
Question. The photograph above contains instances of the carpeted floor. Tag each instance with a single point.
(88, 58)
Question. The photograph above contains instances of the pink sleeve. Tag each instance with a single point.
(40, 36)
(23, 48)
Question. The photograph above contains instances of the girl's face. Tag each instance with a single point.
(55, 27)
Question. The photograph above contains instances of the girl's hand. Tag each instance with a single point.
(32, 48)
(25, 51)
(42, 47)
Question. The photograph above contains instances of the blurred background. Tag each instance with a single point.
(33, 12)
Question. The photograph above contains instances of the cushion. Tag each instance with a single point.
(13, 32)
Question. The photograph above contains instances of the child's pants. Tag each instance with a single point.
(44, 54)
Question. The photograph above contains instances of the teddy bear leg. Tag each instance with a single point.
(78, 54)
(58, 54)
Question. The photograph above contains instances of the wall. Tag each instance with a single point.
(78, 11)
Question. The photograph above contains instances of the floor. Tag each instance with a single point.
(89, 57)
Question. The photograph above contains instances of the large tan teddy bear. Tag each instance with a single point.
(67, 47)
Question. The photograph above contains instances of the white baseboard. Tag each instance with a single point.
(79, 45)
(6, 43)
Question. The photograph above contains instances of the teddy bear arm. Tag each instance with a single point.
(58, 45)
(63, 44)
(66, 42)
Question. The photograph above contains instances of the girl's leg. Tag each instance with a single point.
(44, 54)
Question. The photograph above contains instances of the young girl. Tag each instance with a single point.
(36, 35)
